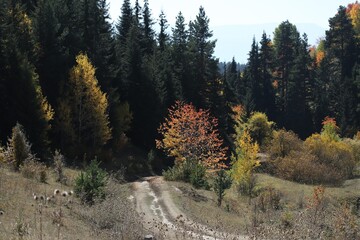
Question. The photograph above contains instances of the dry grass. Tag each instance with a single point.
(62, 217)
(236, 215)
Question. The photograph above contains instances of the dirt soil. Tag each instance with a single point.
(153, 200)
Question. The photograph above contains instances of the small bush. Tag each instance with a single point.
(283, 143)
(334, 154)
(260, 128)
(18, 148)
(90, 185)
(188, 171)
(304, 167)
(249, 187)
(33, 169)
(287, 219)
(197, 176)
(269, 199)
(222, 182)
(354, 145)
(59, 164)
(2, 155)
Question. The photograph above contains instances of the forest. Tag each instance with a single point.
(132, 75)
(79, 92)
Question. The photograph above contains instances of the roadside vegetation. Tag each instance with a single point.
(271, 151)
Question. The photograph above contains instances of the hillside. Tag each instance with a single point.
(170, 210)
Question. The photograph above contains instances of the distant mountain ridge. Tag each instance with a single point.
(235, 40)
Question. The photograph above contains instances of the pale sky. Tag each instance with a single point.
(240, 12)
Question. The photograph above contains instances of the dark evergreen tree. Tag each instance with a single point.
(204, 65)
(251, 97)
(341, 52)
(267, 105)
(148, 40)
(180, 68)
(22, 100)
(97, 39)
(232, 83)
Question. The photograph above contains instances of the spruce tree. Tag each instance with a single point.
(252, 97)
(340, 48)
(266, 63)
(22, 97)
(204, 66)
(180, 73)
(291, 77)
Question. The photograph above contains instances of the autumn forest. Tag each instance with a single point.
(77, 83)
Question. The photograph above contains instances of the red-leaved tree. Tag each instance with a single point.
(190, 134)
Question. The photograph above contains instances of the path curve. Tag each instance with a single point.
(160, 214)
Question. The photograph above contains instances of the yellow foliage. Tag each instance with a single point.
(244, 161)
(88, 104)
(330, 152)
(354, 14)
(47, 109)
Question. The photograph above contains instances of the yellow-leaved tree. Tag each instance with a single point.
(244, 161)
(85, 108)
(244, 158)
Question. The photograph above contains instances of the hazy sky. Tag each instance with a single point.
(240, 12)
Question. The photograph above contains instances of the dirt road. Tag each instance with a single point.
(153, 200)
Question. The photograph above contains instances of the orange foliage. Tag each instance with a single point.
(353, 12)
(319, 57)
(329, 121)
(188, 134)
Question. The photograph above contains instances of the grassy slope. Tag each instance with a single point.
(235, 213)
(22, 212)
(114, 215)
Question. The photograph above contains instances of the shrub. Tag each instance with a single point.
(33, 169)
(18, 148)
(90, 185)
(330, 129)
(321, 159)
(198, 176)
(354, 144)
(59, 164)
(189, 171)
(269, 199)
(222, 182)
(303, 167)
(334, 154)
(260, 128)
(283, 143)
(2, 155)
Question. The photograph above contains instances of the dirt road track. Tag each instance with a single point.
(152, 196)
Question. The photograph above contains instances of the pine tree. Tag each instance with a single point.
(204, 66)
(266, 63)
(340, 48)
(252, 96)
(232, 83)
(22, 97)
(148, 40)
(139, 85)
(291, 78)
(97, 39)
(179, 56)
(124, 23)
(52, 64)
(18, 148)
